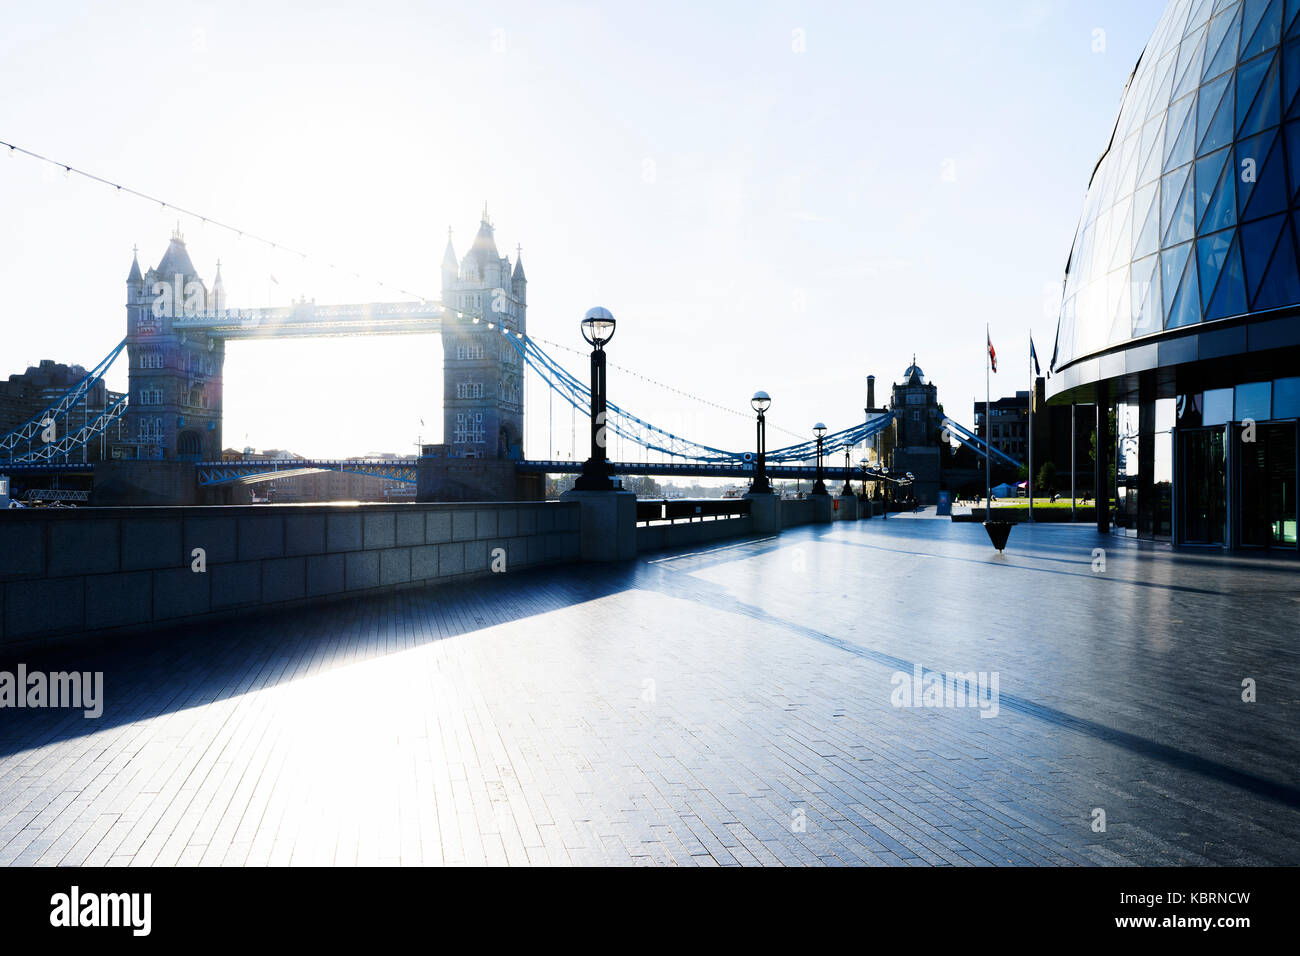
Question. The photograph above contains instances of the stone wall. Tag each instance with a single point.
(658, 537)
(67, 571)
(797, 511)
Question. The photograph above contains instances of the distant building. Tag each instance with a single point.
(1009, 420)
(918, 419)
(25, 396)
(1010, 424)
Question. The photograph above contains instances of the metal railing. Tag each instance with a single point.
(675, 510)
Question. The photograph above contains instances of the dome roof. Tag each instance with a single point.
(1189, 216)
(913, 375)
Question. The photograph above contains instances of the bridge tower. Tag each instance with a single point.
(174, 404)
(483, 376)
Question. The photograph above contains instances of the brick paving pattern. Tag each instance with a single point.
(729, 705)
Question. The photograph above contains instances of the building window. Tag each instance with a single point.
(473, 352)
(469, 429)
(150, 430)
(469, 389)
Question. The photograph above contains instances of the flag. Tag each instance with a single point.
(275, 280)
(1034, 355)
(993, 356)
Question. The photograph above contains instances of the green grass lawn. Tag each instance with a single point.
(1043, 503)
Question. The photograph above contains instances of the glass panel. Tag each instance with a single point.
(1267, 35)
(1156, 98)
(1153, 136)
(1266, 109)
(1221, 51)
(1290, 74)
(1254, 401)
(1281, 285)
(1267, 503)
(1211, 253)
(1200, 13)
(1187, 307)
(1166, 413)
(1182, 221)
(1171, 194)
(1118, 305)
(1286, 398)
(1258, 240)
(1220, 208)
(1177, 135)
(1261, 178)
(1207, 103)
(1255, 10)
(1162, 480)
(1230, 295)
(1293, 154)
(1282, 485)
(1145, 292)
(1216, 406)
(1189, 410)
(1173, 262)
(1126, 466)
(1146, 223)
(1219, 131)
(1204, 503)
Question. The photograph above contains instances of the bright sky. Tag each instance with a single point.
(782, 196)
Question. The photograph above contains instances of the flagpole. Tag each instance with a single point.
(1032, 395)
(988, 433)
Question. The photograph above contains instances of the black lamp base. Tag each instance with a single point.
(596, 476)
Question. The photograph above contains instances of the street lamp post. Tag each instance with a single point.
(820, 487)
(848, 470)
(760, 486)
(597, 328)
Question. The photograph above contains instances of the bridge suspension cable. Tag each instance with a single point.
(56, 413)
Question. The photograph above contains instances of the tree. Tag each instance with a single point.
(1047, 476)
(643, 485)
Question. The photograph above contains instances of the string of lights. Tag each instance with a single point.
(164, 205)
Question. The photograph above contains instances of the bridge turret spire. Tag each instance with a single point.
(217, 299)
(134, 277)
(449, 268)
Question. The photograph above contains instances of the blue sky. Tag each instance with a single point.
(785, 196)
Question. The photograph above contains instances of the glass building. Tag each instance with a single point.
(1180, 316)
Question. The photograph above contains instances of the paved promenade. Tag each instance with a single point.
(722, 706)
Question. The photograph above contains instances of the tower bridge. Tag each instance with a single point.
(163, 441)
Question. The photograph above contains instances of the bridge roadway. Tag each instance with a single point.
(306, 319)
(726, 705)
(404, 469)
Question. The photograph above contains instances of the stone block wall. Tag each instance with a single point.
(64, 572)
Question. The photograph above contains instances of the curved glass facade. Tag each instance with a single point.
(1193, 213)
